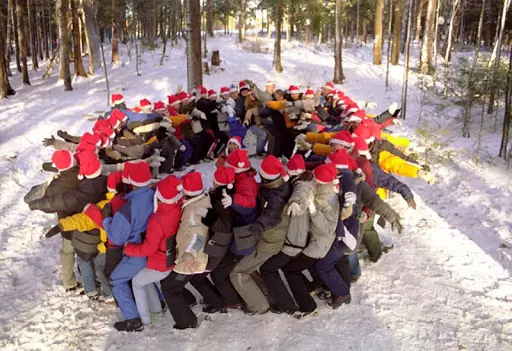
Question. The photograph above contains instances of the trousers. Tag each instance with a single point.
(145, 293)
(120, 278)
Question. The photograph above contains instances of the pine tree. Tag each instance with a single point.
(377, 43)
(338, 63)
(79, 66)
(64, 73)
(193, 38)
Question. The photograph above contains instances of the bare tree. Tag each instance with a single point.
(397, 32)
(508, 109)
(421, 7)
(64, 73)
(339, 77)
(92, 35)
(79, 66)
(407, 55)
(193, 38)
(241, 21)
(277, 41)
(5, 87)
(32, 30)
(209, 17)
(449, 40)
(428, 36)
(390, 23)
(377, 43)
(23, 42)
(115, 33)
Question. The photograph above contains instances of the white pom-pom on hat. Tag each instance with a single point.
(229, 186)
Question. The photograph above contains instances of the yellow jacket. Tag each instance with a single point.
(83, 223)
(323, 138)
(393, 164)
(177, 120)
(401, 143)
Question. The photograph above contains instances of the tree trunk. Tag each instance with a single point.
(277, 41)
(449, 40)
(79, 66)
(508, 108)
(428, 36)
(64, 73)
(421, 7)
(92, 37)
(39, 30)
(406, 59)
(22, 42)
(241, 21)
(397, 32)
(8, 30)
(209, 17)
(216, 58)
(32, 30)
(338, 63)
(46, 33)
(115, 33)
(496, 55)
(105, 72)
(5, 86)
(12, 6)
(193, 30)
(390, 24)
(436, 37)
(377, 43)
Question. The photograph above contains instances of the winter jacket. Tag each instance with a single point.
(130, 222)
(220, 222)
(323, 222)
(387, 181)
(367, 197)
(209, 108)
(401, 143)
(240, 107)
(273, 219)
(378, 146)
(393, 164)
(298, 230)
(348, 188)
(192, 235)
(366, 167)
(161, 226)
(262, 95)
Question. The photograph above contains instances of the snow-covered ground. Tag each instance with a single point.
(445, 286)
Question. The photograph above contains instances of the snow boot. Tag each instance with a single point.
(193, 326)
(247, 311)
(211, 309)
(130, 325)
(324, 295)
(278, 310)
(337, 301)
(77, 289)
(304, 315)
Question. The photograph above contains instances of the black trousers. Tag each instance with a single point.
(276, 288)
(209, 292)
(178, 299)
(220, 277)
(343, 268)
(293, 273)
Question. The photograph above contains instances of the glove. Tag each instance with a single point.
(425, 168)
(312, 208)
(349, 240)
(303, 145)
(245, 123)
(397, 122)
(363, 217)
(278, 105)
(411, 203)
(183, 148)
(54, 231)
(427, 176)
(294, 209)
(49, 141)
(106, 211)
(300, 137)
(226, 199)
(346, 212)
(397, 226)
(301, 126)
(371, 105)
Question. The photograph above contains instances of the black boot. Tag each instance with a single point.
(278, 310)
(337, 301)
(193, 325)
(212, 309)
(130, 325)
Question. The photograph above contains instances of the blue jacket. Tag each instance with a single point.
(131, 220)
(385, 180)
(236, 128)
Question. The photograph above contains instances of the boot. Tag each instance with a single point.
(130, 325)
(278, 310)
(193, 326)
(337, 301)
(212, 309)
(303, 315)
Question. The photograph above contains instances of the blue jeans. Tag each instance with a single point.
(326, 269)
(88, 270)
(120, 277)
(355, 267)
(261, 136)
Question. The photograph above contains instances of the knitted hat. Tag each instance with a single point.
(362, 147)
(271, 168)
(113, 180)
(168, 191)
(140, 174)
(342, 138)
(296, 165)
(224, 176)
(309, 93)
(239, 160)
(293, 90)
(90, 166)
(243, 85)
(329, 86)
(117, 99)
(145, 103)
(173, 100)
(63, 160)
(233, 89)
(325, 174)
(364, 132)
(159, 105)
(357, 116)
(224, 91)
(125, 174)
(192, 184)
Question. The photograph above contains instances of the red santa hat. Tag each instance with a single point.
(159, 105)
(331, 93)
(119, 115)
(271, 168)
(342, 138)
(168, 191)
(192, 184)
(97, 125)
(145, 103)
(351, 108)
(326, 174)
(362, 147)
(117, 99)
(212, 93)
(364, 132)
(339, 158)
(224, 91)
(203, 92)
(239, 160)
(173, 100)
(89, 142)
(242, 85)
(140, 174)
(236, 140)
(293, 90)
(357, 116)
(224, 176)
(113, 180)
(136, 109)
(107, 131)
(296, 165)
(182, 96)
(309, 93)
(90, 166)
(329, 86)
(63, 160)
(125, 174)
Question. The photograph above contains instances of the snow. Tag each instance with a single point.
(446, 285)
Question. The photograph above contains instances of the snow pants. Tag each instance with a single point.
(145, 293)
(275, 285)
(371, 239)
(182, 157)
(178, 299)
(67, 262)
(222, 282)
(245, 285)
(261, 138)
(298, 286)
(120, 278)
(327, 271)
(92, 269)
(204, 286)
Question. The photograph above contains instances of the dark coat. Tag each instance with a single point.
(385, 180)
(209, 107)
(383, 145)
(367, 197)
(240, 107)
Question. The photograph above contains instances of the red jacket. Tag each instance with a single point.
(366, 167)
(161, 225)
(246, 189)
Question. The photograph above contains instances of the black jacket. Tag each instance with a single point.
(209, 107)
(273, 196)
